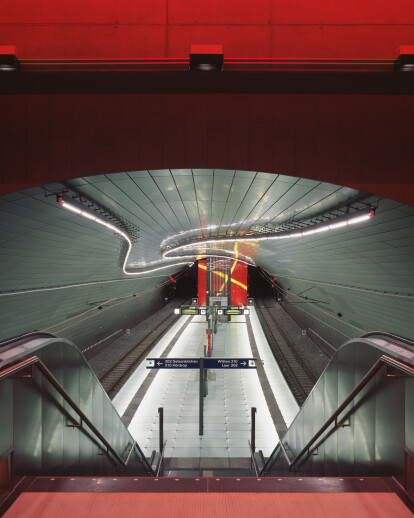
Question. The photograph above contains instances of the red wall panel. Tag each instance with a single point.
(357, 141)
(238, 283)
(202, 282)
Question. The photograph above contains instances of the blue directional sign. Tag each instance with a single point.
(194, 363)
(173, 363)
(229, 363)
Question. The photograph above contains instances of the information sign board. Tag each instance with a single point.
(194, 363)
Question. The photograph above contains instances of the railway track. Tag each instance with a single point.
(115, 377)
(298, 376)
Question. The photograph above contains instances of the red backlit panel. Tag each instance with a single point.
(202, 271)
(238, 283)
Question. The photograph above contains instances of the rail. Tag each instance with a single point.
(383, 360)
(35, 361)
(160, 460)
(117, 374)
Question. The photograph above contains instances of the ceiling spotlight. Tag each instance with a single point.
(8, 59)
(405, 60)
(206, 58)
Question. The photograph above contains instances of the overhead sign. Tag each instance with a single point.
(194, 363)
(173, 363)
(229, 363)
(189, 311)
(233, 311)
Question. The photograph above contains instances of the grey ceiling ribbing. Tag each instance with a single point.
(44, 245)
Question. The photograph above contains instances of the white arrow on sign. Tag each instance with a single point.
(159, 363)
(243, 363)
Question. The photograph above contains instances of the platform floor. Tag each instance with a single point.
(171, 505)
(227, 407)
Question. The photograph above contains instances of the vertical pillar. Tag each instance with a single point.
(201, 399)
(161, 423)
(253, 434)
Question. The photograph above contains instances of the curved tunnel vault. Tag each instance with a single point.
(65, 270)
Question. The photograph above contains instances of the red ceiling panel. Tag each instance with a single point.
(219, 12)
(166, 28)
(237, 41)
(86, 12)
(343, 13)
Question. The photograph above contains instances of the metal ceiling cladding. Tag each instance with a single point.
(44, 246)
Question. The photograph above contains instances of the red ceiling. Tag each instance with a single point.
(166, 28)
(359, 141)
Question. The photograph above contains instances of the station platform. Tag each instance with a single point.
(227, 407)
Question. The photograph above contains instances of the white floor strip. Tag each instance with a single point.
(284, 397)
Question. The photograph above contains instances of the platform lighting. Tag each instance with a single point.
(206, 58)
(405, 60)
(341, 221)
(8, 59)
(81, 211)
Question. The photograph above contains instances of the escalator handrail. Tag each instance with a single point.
(389, 335)
(383, 360)
(32, 334)
(36, 362)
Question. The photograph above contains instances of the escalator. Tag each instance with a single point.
(351, 441)
(56, 417)
(359, 418)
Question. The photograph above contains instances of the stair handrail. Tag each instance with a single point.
(160, 460)
(32, 334)
(389, 335)
(35, 361)
(383, 360)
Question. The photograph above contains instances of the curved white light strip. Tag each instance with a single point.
(195, 230)
(342, 221)
(203, 255)
(86, 214)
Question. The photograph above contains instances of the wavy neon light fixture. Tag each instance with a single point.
(196, 230)
(339, 222)
(79, 209)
